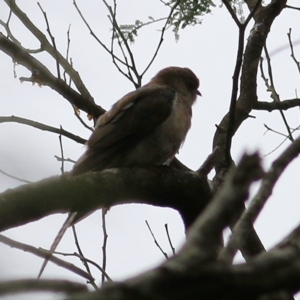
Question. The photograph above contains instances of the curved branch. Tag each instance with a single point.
(184, 191)
(44, 127)
(43, 76)
(44, 254)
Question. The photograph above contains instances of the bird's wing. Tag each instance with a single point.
(131, 119)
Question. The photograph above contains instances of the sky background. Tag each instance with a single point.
(209, 50)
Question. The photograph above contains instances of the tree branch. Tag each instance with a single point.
(44, 127)
(184, 191)
(264, 18)
(259, 200)
(34, 285)
(42, 75)
(283, 105)
(45, 45)
(44, 254)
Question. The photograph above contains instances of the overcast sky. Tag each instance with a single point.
(209, 50)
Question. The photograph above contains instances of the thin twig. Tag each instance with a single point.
(65, 159)
(52, 39)
(292, 7)
(82, 258)
(93, 34)
(120, 33)
(169, 239)
(15, 177)
(274, 94)
(56, 241)
(44, 254)
(104, 245)
(155, 241)
(113, 37)
(62, 169)
(292, 49)
(161, 37)
(67, 54)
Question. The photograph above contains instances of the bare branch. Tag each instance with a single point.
(52, 39)
(83, 259)
(93, 34)
(282, 105)
(42, 75)
(235, 78)
(88, 192)
(155, 241)
(104, 244)
(169, 239)
(14, 177)
(51, 50)
(161, 37)
(274, 94)
(43, 127)
(259, 200)
(33, 285)
(44, 254)
(292, 49)
(263, 18)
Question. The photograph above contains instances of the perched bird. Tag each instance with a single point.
(144, 128)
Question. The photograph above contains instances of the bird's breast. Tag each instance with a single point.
(161, 145)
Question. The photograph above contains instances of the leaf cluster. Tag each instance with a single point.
(188, 12)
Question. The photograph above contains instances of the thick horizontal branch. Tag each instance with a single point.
(44, 127)
(34, 285)
(184, 191)
(270, 272)
(275, 105)
(43, 76)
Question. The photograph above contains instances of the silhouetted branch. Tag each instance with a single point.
(74, 75)
(44, 127)
(257, 203)
(283, 105)
(184, 191)
(42, 76)
(42, 285)
(43, 253)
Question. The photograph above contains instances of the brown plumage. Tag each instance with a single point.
(145, 127)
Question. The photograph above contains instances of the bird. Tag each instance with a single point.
(146, 127)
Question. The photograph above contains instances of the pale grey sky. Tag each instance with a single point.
(209, 50)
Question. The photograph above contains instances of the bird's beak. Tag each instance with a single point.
(198, 93)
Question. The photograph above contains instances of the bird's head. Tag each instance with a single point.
(183, 80)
